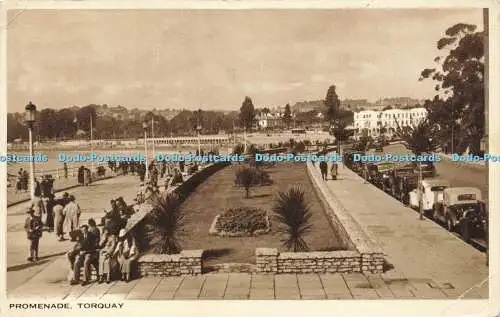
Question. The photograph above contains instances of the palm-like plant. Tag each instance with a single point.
(341, 133)
(292, 210)
(418, 139)
(166, 219)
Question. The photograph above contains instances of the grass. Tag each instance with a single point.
(218, 193)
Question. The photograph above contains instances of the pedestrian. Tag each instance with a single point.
(33, 228)
(323, 167)
(65, 167)
(38, 189)
(334, 170)
(49, 210)
(58, 210)
(80, 175)
(72, 215)
(86, 177)
(25, 180)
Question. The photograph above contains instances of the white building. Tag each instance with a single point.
(386, 122)
(269, 120)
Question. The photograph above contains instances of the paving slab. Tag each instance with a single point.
(415, 248)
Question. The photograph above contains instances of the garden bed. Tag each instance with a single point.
(218, 193)
(241, 222)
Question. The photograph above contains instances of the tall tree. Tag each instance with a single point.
(332, 104)
(287, 115)
(459, 79)
(247, 115)
(419, 140)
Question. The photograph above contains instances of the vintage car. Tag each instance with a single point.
(462, 210)
(379, 172)
(428, 169)
(402, 180)
(349, 162)
(432, 193)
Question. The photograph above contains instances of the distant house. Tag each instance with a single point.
(376, 123)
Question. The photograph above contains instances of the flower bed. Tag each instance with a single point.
(240, 222)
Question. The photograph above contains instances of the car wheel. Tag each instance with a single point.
(449, 225)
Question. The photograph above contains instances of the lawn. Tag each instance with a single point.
(218, 193)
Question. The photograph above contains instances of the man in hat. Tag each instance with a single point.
(84, 257)
(33, 228)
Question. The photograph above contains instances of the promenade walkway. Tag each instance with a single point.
(418, 249)
(60, 184)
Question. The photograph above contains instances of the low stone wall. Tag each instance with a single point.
(185, 263)
(269, 260)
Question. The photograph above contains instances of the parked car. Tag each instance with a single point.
(379, 173)
(428, 169)
(463, 210)
(402, 181)
(432, 193)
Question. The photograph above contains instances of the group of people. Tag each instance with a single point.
(22, 181)
(108, 253)
(117, 216)
(62, 214)
(323, 167)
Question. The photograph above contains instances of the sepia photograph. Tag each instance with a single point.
(248, 154)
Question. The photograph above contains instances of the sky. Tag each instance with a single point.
(212, 59)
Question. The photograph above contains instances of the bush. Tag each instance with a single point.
(243, 220)
(292, 211)
(162, 225)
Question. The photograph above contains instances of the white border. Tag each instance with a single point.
(276, 308)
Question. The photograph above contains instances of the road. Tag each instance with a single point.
(458, 174)
(92, 200)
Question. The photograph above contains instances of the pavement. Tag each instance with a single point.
(93, 200)
(429, 262)
(60, 184)
(417, 249)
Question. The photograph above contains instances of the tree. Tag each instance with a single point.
(287, 115)
(164, 223)
(419, 140)
(292, 211)
(246, 177)
(332, 104)
(387, 108)
(341, 133)
(247, 115)
(459, 80)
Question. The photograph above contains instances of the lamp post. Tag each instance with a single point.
(198, 130)
(145, 127)
(30, 118)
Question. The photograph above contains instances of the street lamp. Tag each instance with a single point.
(29, 119)
(198, 130)
(145, 127)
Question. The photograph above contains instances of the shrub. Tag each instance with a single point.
(163, 224)
(243, 221)
(239, 149)
(246, 177)
(292, 211)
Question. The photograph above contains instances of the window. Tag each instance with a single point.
(437, 188)
(466, 197)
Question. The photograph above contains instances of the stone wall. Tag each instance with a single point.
(185, 263)
(269, 260)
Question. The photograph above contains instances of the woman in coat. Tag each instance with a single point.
(59, 221)
(126, 253)
(106, 256)
(72, 214)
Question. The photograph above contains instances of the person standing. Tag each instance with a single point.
(25, 180)
(323, 167)
(72, 215)
(334, 170)
(58, 210)
(80, 175)
(65, 167)
(33, 228)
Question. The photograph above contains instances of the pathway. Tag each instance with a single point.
(418, 249)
